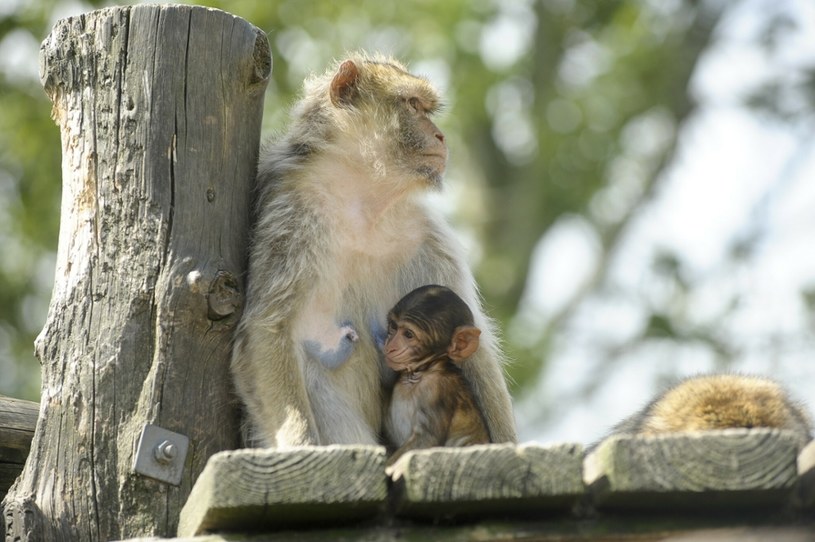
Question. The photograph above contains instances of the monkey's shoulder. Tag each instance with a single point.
(452, 389)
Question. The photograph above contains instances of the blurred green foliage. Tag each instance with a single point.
(556, 108)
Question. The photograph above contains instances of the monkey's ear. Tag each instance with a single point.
(343, 86)
(463, 344)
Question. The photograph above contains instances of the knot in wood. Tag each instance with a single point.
(224, 297)
(262, 57)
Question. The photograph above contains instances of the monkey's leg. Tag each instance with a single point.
(269, 378)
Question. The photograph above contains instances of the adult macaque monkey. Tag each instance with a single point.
(430, 335)
(341, 235)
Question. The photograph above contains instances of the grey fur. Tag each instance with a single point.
(789, 413)
(303, 249)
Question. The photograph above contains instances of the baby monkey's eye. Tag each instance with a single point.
(408, 334)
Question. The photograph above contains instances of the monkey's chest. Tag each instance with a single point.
(400, 420)
(406, 412)
(356, 236)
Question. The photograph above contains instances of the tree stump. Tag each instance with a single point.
(159, 109)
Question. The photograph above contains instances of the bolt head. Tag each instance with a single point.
(166, 452)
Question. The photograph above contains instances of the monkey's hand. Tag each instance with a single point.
(338, 349)
(390, 465)
(378, 332)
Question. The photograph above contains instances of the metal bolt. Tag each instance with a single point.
(165, 452)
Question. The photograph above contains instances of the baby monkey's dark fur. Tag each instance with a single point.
(430, 335)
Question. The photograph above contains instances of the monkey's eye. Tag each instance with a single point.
(415, 104)
(409, 334)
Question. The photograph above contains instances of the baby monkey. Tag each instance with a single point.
(430, 334)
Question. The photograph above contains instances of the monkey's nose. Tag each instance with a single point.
(440, 136)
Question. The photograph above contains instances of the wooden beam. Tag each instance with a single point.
(546, 530)
(252, 489)
(488, 479)
(18, 418)
(728, 468)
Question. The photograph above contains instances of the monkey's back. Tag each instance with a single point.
(719, 401)
(467, 425)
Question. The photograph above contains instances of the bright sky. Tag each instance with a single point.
(736, 173)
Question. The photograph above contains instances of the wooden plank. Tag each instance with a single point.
(15, 445)
(543, 530)
(746, 534)
(18, 418)
(252, 489)
(488, 479)
(18, 413)
(728, 468)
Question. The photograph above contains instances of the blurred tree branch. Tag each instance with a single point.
(530, 199)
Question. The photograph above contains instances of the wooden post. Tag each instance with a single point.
(159, 109)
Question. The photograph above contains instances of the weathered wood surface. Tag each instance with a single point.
(508, 532)
(17, 421)
(248, 489)
(632, 529)
(159, 109)
(488, 479)
(250, 483)
(728, 468)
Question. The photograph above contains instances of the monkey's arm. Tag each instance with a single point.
(268, 378)
(485, 374)
(343, 346)
(440, 261)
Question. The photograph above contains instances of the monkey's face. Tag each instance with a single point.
(422, 148)
(387, 111)
(405, 348)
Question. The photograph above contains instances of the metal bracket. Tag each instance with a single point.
(160, 454)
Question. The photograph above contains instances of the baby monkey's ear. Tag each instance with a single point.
(463, 344)
(344, 84)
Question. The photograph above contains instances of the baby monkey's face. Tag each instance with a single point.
(406, 346)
